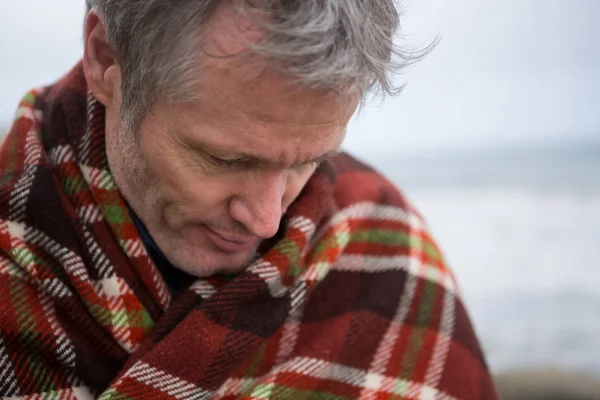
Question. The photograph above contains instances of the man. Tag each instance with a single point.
(176, 221)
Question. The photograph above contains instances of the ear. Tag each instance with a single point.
(99, 65)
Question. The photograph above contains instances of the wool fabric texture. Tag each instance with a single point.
(352, 300)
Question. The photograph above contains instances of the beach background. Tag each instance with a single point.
(495, 139)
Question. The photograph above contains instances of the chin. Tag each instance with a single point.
(202, 262)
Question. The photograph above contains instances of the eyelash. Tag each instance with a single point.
(221, 162)
(231, 163)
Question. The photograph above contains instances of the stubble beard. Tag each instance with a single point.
(135, 180)
(143, 193)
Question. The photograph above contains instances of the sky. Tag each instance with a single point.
(511, 72)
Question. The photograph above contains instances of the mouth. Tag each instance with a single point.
(231, 245)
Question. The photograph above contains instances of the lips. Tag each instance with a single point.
(231, 245)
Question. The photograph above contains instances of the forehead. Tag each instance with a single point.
(270, 98)
(233, 78)
(265, 118)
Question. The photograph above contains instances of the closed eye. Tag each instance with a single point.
(229, 162)
(221, 162)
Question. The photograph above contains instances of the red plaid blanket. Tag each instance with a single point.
(352, 301)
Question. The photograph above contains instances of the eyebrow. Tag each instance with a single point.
(242, 157)
(326, 156)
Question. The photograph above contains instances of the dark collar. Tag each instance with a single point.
(175, 278)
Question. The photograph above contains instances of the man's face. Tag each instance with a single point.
(213, 178)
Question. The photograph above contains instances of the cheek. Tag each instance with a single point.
(180, 177)
(190, 185)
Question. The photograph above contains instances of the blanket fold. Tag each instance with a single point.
(352, 300)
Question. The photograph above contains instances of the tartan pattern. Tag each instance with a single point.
(353, 300)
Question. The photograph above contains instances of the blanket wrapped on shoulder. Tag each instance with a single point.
(352, 301)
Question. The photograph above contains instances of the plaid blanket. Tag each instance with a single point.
(353, 300)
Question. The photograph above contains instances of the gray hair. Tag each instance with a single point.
(322, 43)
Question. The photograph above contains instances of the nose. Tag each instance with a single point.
(259, 205)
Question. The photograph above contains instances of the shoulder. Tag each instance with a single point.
(359, 185)
(28, 188)
(390, 279)
(21, 144)
(34, 129)
(382, 229)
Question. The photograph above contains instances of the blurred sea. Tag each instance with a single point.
(521, 229)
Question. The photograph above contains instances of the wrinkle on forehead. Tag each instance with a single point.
(272, 99)
(244, 127)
